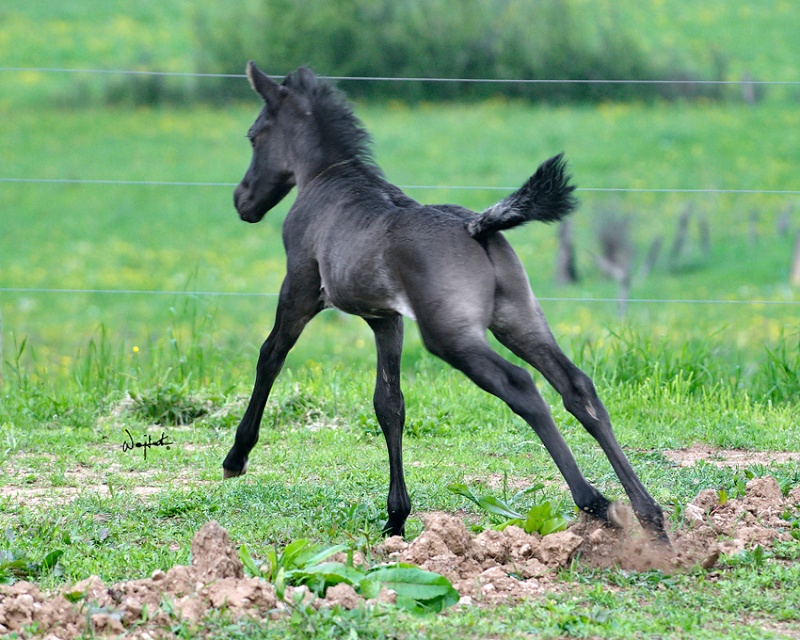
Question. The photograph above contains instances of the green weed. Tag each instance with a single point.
(168, 404)
(542, 518)
(17, 565)
(304, 563)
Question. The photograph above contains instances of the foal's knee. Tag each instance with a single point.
(581, 400)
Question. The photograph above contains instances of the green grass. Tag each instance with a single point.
(79, 369)
(189, 239)
(69, 486)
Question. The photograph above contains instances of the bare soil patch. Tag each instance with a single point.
(498, 481)
(728, 457)
(31, 484)
(492, 567)
(33, 496)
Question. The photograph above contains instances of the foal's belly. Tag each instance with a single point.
(366, 299)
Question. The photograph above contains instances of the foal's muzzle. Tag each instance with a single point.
(253, 207)
(245, 204)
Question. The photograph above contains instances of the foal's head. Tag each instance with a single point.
(304, 127)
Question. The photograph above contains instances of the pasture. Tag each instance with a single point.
(141, 307)
(673, 375)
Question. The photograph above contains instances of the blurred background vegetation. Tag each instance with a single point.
(479, 39)
(474, 140)
(483, 39)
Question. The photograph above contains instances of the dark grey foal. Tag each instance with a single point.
(358, 243)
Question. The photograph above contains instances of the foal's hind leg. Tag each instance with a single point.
(531, 340)
(295, 309)
(390, 410)
(512, 384)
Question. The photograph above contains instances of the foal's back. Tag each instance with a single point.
(380, 252)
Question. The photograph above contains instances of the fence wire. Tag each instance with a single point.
(454, 187)
(256, 294)
(189, 74)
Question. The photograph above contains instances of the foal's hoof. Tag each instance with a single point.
(661, 540)
(622, 516)
(389, 530)
(230, 473)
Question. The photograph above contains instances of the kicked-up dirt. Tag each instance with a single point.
(490, 568)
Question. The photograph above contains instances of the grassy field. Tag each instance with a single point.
(188, 239)
(142, 347)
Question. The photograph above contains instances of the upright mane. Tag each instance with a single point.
(340, 127)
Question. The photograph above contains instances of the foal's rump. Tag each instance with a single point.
(446, 275)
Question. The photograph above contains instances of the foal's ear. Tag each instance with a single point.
(263, 85)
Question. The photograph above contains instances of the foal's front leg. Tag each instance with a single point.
(390, 410)
(295, 310)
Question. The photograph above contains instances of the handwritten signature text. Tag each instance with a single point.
(146, 443)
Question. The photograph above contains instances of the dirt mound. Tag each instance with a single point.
(492, 567)
(215, 579)
(499, 566)
(755, 519)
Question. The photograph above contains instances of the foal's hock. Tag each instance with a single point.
(357, 243)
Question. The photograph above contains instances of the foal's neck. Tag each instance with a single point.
(327, 170)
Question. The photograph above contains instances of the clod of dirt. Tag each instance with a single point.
(472, 565)
(763, 497)
(343, 595)
(241, 594)
(697, 511)
(707, 500)
(214, 580)
(493, 545)
(497, 584)
(495, 566)
(213, 557)
(459, 540)
(754, 519)
(394, 544)
(557, 549)
(428, 545)
(521, 545)
(22, 605)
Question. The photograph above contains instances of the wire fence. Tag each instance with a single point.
(455, 187)
(189, 74)
(170, 183)
(256, 294)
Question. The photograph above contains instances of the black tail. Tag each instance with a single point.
(546, 197)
